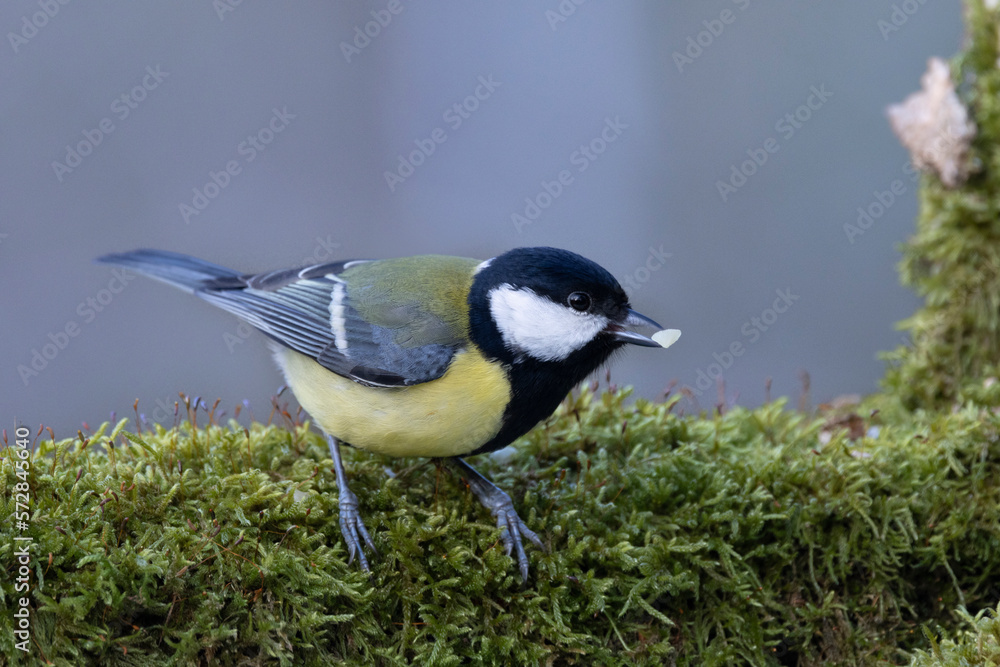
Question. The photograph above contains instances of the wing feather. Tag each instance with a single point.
(389, 338)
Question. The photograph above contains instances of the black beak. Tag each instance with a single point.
(634, 319)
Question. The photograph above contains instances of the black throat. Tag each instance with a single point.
(537, 388)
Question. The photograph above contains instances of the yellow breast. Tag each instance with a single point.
(449, 416)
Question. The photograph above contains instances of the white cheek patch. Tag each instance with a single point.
(540, 328)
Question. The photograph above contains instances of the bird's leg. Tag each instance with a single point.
(512, 528)
(351, 526)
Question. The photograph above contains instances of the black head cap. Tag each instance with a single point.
(560, 276)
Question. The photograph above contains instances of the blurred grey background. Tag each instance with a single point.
(120, 120)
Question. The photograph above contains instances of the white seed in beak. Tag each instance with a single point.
(666, 337)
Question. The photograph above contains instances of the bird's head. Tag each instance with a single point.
(551, 305)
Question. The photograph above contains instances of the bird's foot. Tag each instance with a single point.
(353, 528)
(512, 527)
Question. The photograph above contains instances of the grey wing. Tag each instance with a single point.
(308, 310)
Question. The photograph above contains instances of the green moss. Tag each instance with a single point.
(978, 645)
(953, 259)
(734, 539)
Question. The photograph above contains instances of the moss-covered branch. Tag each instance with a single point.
(953, 260)
(739, 538)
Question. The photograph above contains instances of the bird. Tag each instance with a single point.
(425, 356)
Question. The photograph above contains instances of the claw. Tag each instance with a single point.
(512, 527)
(353, 529)
(351, 526)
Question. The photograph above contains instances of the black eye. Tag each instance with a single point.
(579, 301)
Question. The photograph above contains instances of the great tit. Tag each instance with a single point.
(425, 356)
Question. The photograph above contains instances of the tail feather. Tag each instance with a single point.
(182, 271)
